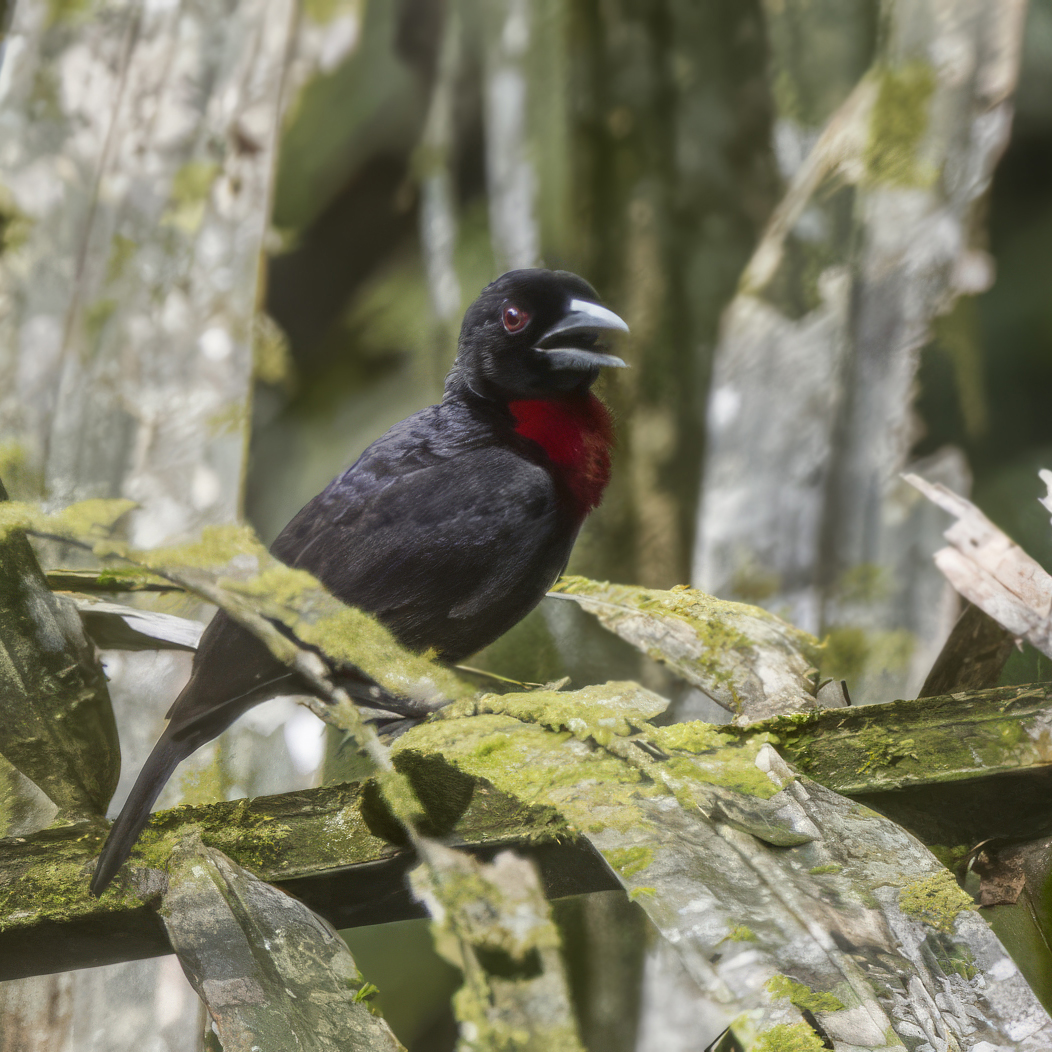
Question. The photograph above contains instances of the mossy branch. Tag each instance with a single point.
(230, 568)
(761, 841)
(56, 721)
(743, 657)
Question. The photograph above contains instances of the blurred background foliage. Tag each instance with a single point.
(985, 378)
(649, 129)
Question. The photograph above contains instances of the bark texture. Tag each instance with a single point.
(992, 571)
(136, 160)
(747, 660)
(57, 722)
(272, 973)
(782, 904)
(850, 923)
(809, 418)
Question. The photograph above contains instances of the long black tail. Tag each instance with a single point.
(155, 772)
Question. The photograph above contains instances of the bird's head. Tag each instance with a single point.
(532, 334)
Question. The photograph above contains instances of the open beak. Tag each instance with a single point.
(569, 343)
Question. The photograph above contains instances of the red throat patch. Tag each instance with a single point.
(577, 434)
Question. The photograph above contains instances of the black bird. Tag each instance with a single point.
(449, 529)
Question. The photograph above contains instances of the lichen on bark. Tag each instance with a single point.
(746, 659)
(57, 722)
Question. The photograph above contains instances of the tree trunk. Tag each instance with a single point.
(819, 350)
(136, 171)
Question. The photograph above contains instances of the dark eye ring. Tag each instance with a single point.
(514, 319)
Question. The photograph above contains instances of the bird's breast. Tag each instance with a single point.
(577, 434)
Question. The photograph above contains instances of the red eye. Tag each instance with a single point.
(514, 318)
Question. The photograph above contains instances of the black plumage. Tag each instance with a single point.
(449, 528)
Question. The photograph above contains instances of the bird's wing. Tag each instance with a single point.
(446, 538)
(422, 538)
